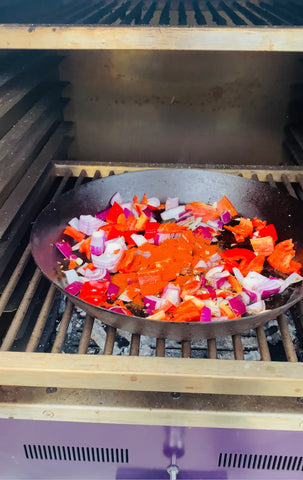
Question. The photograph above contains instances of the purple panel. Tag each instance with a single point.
(150, 450)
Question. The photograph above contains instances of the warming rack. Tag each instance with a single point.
(31, 367)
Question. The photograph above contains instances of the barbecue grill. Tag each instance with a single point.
(96, 88)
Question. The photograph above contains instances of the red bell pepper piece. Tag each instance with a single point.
(151, 229)
(224, 205)
(114, 213)
(241, 231)
(269, 231)
(281, 258)
(94, 292)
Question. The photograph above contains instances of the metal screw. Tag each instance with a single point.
(173, 471)
(51, 390)
(176, 395)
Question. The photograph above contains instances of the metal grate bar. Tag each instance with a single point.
(135, 345)
(86, 334)
(211, 348)
(263, 346)
(200, 19)
(60, 337)
(149, 14)
(160, 347)
(217, 18)
(186, 349)
(238, 347)
(41, 321)
(249, 15)
(164, 17)
(233, 15)
(286, 339)
(16, 323)
(110, 341)
(288, 185)
(10, 287)
(117, 14)
(269, 17)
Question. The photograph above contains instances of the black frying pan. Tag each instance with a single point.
(250, 198)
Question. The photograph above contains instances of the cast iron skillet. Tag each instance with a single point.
(252, 199)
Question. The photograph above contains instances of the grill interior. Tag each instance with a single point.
(158, 12)
(49, 101)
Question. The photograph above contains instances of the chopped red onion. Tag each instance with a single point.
(293, 278)
(127, 213)
(97, 274)
(148, 212)
(201, 264)
(153, 202)
(238, 275)
(118, 310)
(225, 217)
(124, 297)
(215, 309)
(74, 222)
(116, 198)
(138, 239)
(109, 259)
(214, 258)
(71, 276)
(253, 297)
(203, 281)
(237, 305)
(256, 307)
(89, 224)
(103, 214)
(203, 232)
(211, 290)
(76, 246)
(221, 281)
(161, 237)
(262, 285)
(112, 291)
(65, 249)
(212, 272)
(172, 293)
(172, 203)
(97, 243)
(172, 213)
(74, 288)
(205, 314)
(151, 303)
(215, 224)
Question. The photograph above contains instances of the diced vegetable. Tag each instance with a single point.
(125, 258)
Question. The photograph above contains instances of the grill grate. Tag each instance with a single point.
(159, 12)
(76, 454)
(40, 335)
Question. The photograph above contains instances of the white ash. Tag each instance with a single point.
(173, 348)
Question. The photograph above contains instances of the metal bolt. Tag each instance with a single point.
(176, 395)
(173, 471)
(51, 390)
(300, 399)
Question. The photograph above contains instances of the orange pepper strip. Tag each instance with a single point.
(198, 209)
(263, 245)
(244, 229)
(72, 232)
(85, 247)
(281, 258)
(224, 205)
(255, 265)
(236, 285)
